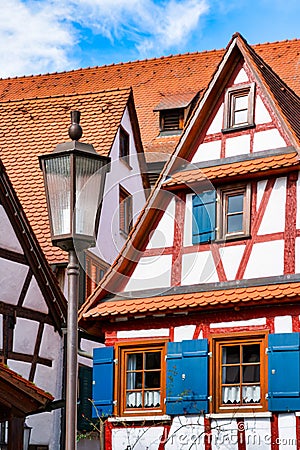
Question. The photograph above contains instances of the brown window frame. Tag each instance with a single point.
(231, 95)
(223, 194)
(218, 342)
(124, 145)
(125, 211)
(122, 351)
(95, 271)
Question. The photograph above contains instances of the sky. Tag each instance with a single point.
(41, 36)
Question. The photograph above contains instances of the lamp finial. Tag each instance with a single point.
(75, 130)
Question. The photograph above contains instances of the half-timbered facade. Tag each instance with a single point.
(32, 315)
(200, 313)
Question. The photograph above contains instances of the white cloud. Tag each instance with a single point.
(38, 36)
(33, 38)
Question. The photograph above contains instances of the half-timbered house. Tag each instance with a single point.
(200, 312)
(32, 317)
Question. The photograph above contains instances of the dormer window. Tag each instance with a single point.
(239, 107)
(172, 119)
(174, 110)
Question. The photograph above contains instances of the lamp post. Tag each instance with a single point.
(74, 177)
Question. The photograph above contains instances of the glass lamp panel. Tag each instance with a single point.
(59, 193)
(89, 184)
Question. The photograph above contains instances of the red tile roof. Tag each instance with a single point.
(32, 127)
(194, 300)
(152, 80)
(241, 168)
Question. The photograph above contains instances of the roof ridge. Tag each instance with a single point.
(73, 94)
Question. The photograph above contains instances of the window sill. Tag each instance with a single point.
(239, 415)
(124, 161)
(238, 128)
(166, 133)
(139, 418)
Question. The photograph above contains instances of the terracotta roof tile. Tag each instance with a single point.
(233, 169)
(195, 300)
(152, 80)
(32, 127)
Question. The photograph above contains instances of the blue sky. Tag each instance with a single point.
(40, 36)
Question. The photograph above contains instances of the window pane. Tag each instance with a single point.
(231, 375)
(235, 223)
(231, 354)
(235, 203)
(134, 400)
(152, 379)
(251, 394)
(240, 117)
(241, 102)
(251, 353)
(251, 374)
(231, 395)
(134, 380)
(135, 361)
(152, 360)
(152, 399)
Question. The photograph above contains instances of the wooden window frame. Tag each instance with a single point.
(96, 268)
(124, 145)
(122, 350)
(217, 343)
(125, 211)
(230, 95)
(222, 211)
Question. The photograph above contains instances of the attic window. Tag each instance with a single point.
(172, 119)
(239, 107)
(124, 145)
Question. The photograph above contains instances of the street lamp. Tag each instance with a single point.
(74, 177)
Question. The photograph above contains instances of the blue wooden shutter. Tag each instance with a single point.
(204, 217)
(187, 377)
(103, 374)
(284, 372)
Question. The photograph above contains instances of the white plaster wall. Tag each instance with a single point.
(241, 77)
(139, 334)
(110, 241)
(239, 145)
(51, 343)
(266, 140)
(184, 332)
(25, 334)
(231, 258)
(261, 186)
(266, 260)
(217, 123)
(287, 432)
(20, 367)
(188, 221)
(283, 324)
(137, 438)
(163, 235)
(41, 429)
(12, 277)
(87, 346)
(8, 238)
(208, 151)
(274, 217)
(261, 113)
(198, 268)
(186, 432)
(239, 323)
(257, 434)
(34, 298)
(224, 434)
(151, 272)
